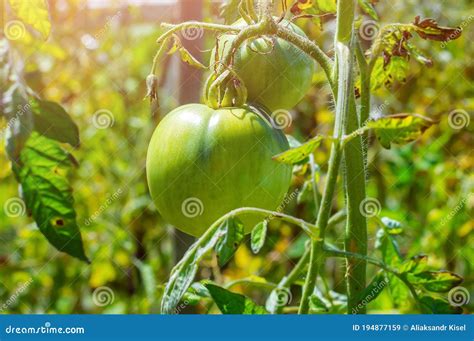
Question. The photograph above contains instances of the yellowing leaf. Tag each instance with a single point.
(298, 154)
(34, 13)
(188, 58)
(399, 128)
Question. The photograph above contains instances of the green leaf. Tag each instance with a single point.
(52, 121)
(233, 233)
(399, 128)
(368, 9)
(392, 226)
(436, 281)
(389, 248)
(182, 275)
(386, 74)
(42, 173)
(372, 291)
(414, 265)
(298, 154)
(232, 303)
(327, 6)
(257, 238)
(318, 304)
(433, 305)
(34, 13)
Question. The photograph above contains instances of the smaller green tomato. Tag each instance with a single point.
(276, 73)
(204, 162)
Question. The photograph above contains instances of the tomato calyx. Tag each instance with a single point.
(225, 90)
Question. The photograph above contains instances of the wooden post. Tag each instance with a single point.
(190, 80)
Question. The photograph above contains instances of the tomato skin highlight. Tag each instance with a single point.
(203, 163)
(277, 77)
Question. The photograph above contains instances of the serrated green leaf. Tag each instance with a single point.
(386, 75)
(372, 291)
(233, 233)
(34, 13)
(232, 303)
(368, 9)
(42, 173)
(433, 305)
(414, 265)
(51, 120)
(258, 236)
(298, 154)
(436, 281)
(318, 304)
(399, 128)
(182, 275)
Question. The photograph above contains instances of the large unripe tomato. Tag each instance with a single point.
(203, 163)
(276, 73)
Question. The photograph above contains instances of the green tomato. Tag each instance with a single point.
(276, 73)
(203, 163)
